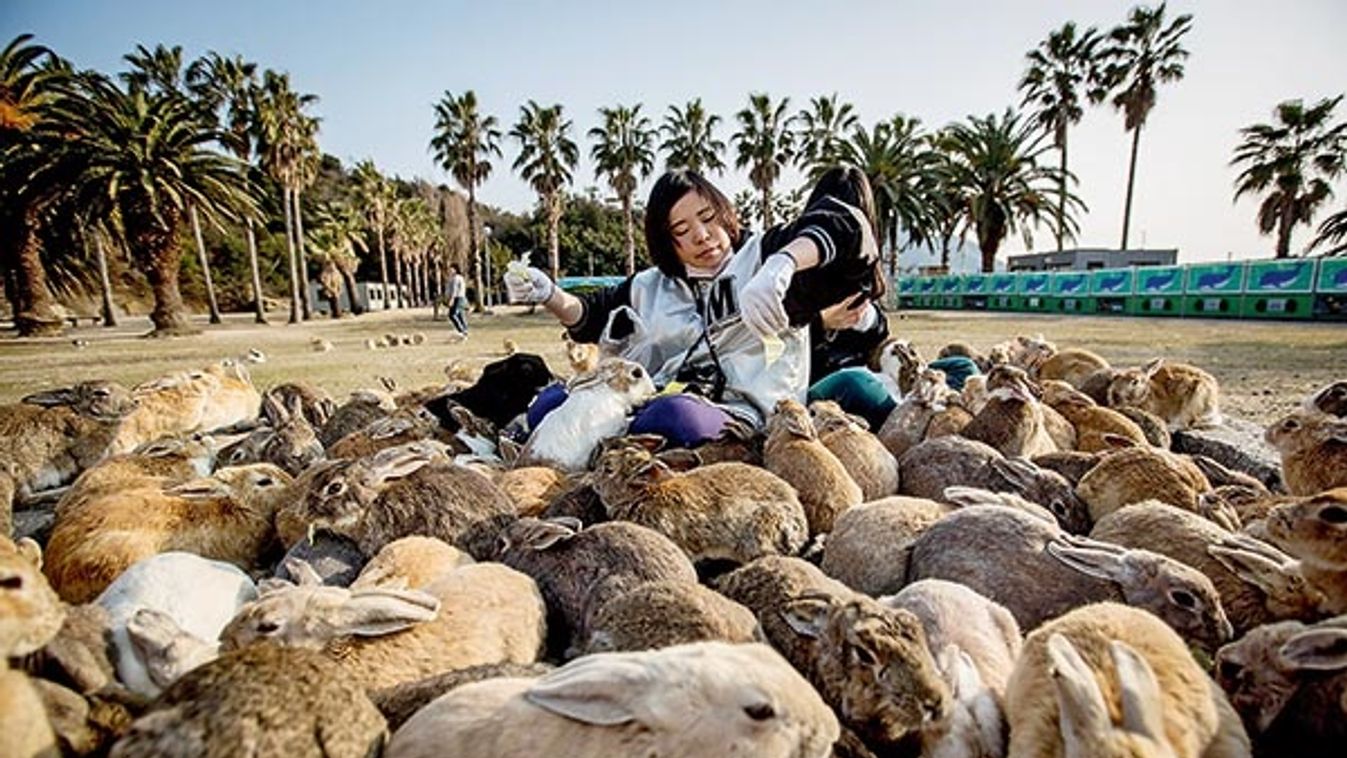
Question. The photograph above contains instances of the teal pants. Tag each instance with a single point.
(858, 391)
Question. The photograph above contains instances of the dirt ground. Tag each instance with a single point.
(1265, 368)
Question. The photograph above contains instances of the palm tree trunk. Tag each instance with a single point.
(1131, 178)
(205, 266)
(383, 266)
(165, 258)
(1061, 196)
(294, 261)
(104, 281)
(553, 235)
(259, 311)
(397, 273)
(630, 238)
(34, 308)
(476, 251)
(348, 277)
(766, 207)
(305, 308)
(1285, 223)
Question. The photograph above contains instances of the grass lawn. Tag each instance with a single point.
(1265, 368)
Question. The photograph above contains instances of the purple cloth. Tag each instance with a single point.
(684, 420)
(545, 402)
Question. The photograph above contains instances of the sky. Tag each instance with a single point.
(379, 67)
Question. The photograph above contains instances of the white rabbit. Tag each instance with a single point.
(595, 409)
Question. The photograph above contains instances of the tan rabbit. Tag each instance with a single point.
(898, 365)
(1092, 423)
(49, 438)
(1071, 365)
(583, 356)
(174, 459)
(724, 511)
(1013, 420)
(794, 453)
(866, 459)
(227, 517)
(1136, 474)
(1313, 447)
(1186, 397)
(30, 615)
(409, 489)
(906, 424)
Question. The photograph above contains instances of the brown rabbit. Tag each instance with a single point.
(794, 453)
(870, 464)
(725, 511)
(49, 438)
(1136, 474)
(1071, 365)
(1313, 447)
(227, 517)
(1093, 424)
(408, 489)
(1013, 420)
(906, 424)
(1186, 397)
(176, 459)
(289, 441)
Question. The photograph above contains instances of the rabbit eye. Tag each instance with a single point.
(1058, 508)
(1229, 671)
(637, 372)
(334, 488)
(759, 711)
(265, 481)
(11, 583)
(237, 455)
(1333, 514)
(864, 656)
(1183, 599)
(267, 627)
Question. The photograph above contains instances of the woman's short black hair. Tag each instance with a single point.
(668, 190)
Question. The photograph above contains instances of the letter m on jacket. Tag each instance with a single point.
(722, 301)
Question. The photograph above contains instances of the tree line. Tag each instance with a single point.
(145, 160)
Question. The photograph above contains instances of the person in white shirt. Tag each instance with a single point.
(458, 300)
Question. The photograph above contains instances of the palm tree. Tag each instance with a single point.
(546, 158)
(374, 197)
(224, 83)
(337, 239)
(823, 127)
(623, 151)
(1142, 53)
(1297, 158)
(306, 173)
(899, 163)
(283, 135)
(160, 72)
(765, 144)
(1059, 69)
(464, 142)
(690, 139)
(144, 158)
(29, 85)
(995, 166)
(1333, 232)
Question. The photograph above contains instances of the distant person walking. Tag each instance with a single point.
(458, 300)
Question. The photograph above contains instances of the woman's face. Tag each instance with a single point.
(699, 239)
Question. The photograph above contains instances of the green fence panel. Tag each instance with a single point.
(1280, 289)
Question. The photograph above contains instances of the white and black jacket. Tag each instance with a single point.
(690, 330)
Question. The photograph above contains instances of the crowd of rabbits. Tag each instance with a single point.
(1020, 567)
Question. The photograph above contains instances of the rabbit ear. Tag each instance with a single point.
(1090, 561)
(29, 550)
(53, 398)
(166, 650)
(302, 572)
(959, 672)
(272, 409)
(397, 463)
(1016, 472)
(1255, 567)
(601, 690)
(654, 470)
(200, 489)
(1142, 700)
(1083, 714)
(378, 611)
(1322, 649)
(1153, 365)
(807, 616)
(680, 459)
(1117, 441)
(963, 497)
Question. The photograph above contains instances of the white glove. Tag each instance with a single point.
(526, 284)
(760, 299)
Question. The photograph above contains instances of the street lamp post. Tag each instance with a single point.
(486, 256)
